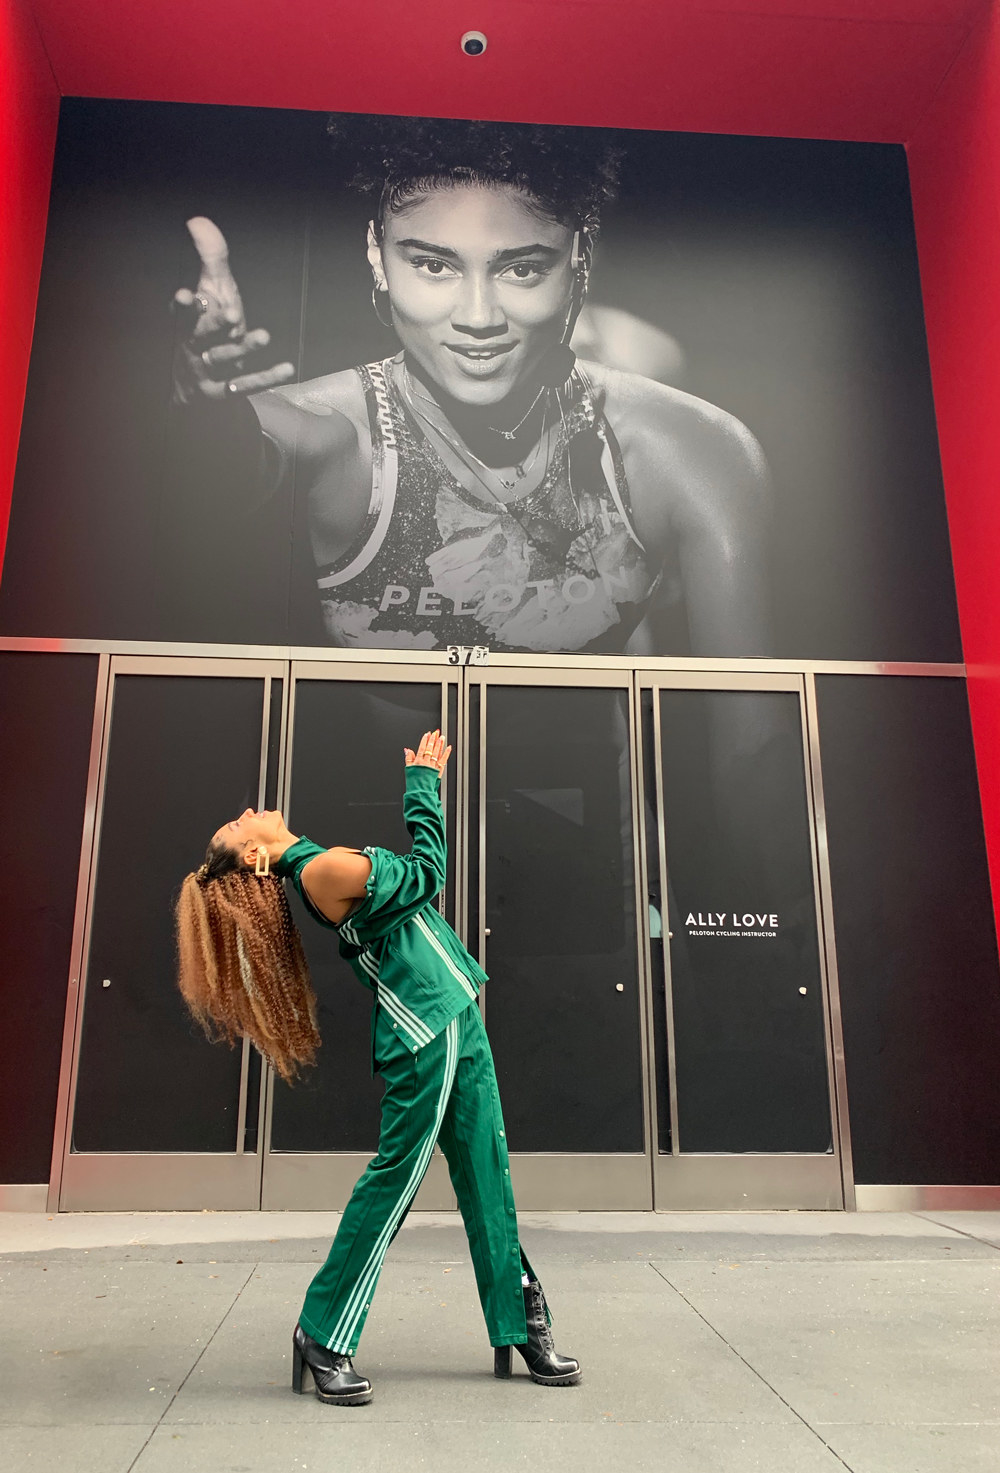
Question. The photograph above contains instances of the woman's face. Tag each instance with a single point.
(480, 287)
(251, 829)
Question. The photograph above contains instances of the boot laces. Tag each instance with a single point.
(540, 1318)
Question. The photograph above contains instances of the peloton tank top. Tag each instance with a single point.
(560, 569)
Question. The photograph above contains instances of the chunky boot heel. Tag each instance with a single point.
(298, 1365)
(544, 1363)
(503, 1362)
(334, 1377)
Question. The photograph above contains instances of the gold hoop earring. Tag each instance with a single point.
(383, 291)
(263, 866)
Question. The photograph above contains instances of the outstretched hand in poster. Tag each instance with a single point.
(217, 357)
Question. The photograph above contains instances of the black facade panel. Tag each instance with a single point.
(916, 943)
(46, 718)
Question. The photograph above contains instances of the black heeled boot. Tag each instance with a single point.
(334, 1377)
(544, 1363)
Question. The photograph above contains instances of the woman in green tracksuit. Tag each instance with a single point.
(429, 1044)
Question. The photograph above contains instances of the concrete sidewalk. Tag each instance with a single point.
(792, 1342)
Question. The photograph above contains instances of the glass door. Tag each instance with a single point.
(343, 784)
(551, 899)
(745, 1106)
(152, 1115)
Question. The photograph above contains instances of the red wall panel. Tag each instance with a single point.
(954, 159)
(794, 68)
(29, 112)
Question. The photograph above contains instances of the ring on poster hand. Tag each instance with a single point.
(205, 358)
(202, 303)
(231, 388)
(382, 293)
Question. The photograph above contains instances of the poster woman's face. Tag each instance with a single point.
(480, 286)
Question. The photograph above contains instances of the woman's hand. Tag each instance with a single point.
(213, 357)
(432, 752)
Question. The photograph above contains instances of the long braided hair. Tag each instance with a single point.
(240, 964)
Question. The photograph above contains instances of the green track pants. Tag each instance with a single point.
(446, 1092)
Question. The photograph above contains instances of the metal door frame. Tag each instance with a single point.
(701, 1181)
(237, 1180)
(143, 1181)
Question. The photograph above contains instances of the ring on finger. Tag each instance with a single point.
(231, 388)
(202, 302)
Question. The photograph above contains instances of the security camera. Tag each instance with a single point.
(473, 43)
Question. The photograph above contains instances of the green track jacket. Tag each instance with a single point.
(398, 943)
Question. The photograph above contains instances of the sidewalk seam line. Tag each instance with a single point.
(926, 1217)
(192, 1368)
(752, 1369)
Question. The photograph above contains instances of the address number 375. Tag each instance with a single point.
(468, 654)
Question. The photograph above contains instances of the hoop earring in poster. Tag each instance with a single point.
(381, 291)
(561, 360)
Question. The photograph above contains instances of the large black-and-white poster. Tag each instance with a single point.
(406, 383)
